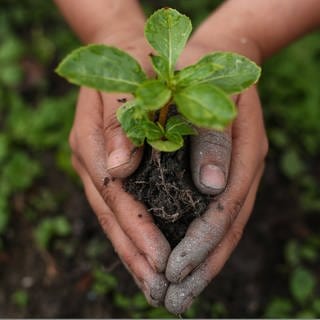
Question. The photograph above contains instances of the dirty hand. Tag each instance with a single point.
(232, 161)
(102, 155)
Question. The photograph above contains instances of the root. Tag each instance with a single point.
(161, 213)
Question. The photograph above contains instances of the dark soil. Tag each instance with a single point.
(163, 182)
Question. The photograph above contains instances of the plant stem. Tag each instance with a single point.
(164, 114)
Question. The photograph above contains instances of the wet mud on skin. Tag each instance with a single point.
(165, 186)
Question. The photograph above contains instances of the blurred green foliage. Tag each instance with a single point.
(50, 228)
(36, 114)
(103, 282)
(20, 298)
(291, 98)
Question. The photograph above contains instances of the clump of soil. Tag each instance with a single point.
(164, 184)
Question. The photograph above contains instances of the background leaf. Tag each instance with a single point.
(302, 284)
(279, 308)
(167, 31)
(237, 74)
(206, 106)
(103, 68)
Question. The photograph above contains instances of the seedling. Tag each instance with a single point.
(199, 92)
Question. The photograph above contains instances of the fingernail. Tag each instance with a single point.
(212, 177)
(117, 158)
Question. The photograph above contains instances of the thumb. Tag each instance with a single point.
(123, 157)
(210, 160)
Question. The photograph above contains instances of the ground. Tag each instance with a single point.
(55, 260)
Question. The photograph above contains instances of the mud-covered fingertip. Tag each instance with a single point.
(155, 290)
(179, 263)
(176, 300)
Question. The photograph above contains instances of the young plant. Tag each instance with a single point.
(200, 92)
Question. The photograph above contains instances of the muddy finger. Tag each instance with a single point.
(153, 284)
(181, 295)
(210, 160)
(206, 232)
(134, 219)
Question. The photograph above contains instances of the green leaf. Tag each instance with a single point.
(50, 228)
(206, 106)
(136, 124)
(177, 125)
(103, 68)
(151, 130)
(142, 129)
(316, 306)
(196, 73)
(292, 253)
(129, 115)
(139, 301)
(4, 146)
(4, 212)
(161, 67)
(238, 72)
(305, 314)
(291, 163)
(11, 75)
(302, 284)
(176, 128)
(103, 282)
(167, 31)
(12, 49)
(167, 145)
(152, 95)
(19, 172)
(20, 298)
(279, 308)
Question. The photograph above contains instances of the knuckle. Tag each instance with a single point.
(111, 126)
(73, 141)
(264, 147)
(234, 210)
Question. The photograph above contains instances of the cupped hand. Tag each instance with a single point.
(102, 155)
(229, 165)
